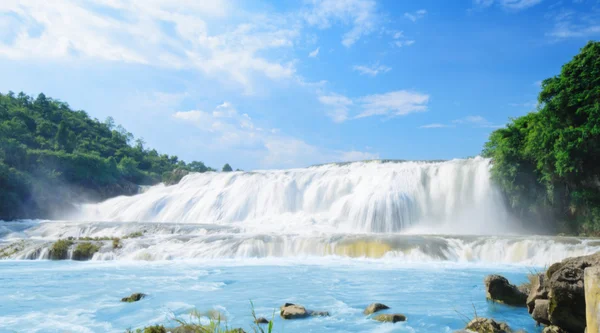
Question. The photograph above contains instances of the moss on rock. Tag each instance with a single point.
(60, 249)
(85, 251)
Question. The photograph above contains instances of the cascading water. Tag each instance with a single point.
(393, 210)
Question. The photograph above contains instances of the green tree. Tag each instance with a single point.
(227, 168)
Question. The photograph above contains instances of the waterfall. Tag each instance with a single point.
(381, 197)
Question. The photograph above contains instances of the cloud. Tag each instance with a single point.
(360, 14)
(515, 5)
(476, 121)
(371, 70)
(414, 16)
(314, 53)
(391, 104)
(402, 43)
(226, 129)
(338, 106)
(571, 24)
(435, 125)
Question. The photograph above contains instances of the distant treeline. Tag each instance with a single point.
(548, 162)
(52, 156)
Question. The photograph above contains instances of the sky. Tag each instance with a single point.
(284, 84)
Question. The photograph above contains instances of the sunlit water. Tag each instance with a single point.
(419, 237)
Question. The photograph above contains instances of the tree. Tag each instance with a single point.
(62, 135)
(227, 168)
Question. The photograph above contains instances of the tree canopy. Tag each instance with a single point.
(548, 162)
(51, 154)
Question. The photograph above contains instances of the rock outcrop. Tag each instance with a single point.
(498, 289)
(485, 325)
(374, 307)
(591, 278)
(390, 318)
(133, 298)
(261, 320)
(294, 311)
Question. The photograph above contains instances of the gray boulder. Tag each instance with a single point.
(390, 318)
(539, 290)
(540, 312)
(485, 325)
(374, 307)
(294, 311)
(498, 289)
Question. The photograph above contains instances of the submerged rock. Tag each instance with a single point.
(261, 320)
(498, 289)
(133, 298)
(390, 318)
(374, 307)
(485, 325)
(294, 311)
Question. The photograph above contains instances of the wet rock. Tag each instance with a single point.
(294, 311)
(261, 320)
(390, 318)
(498, 289)
(567, 308)
(374, 307)
(539, 290)
(133, 298)
(540, 311)
(485, 325)
(553, 329)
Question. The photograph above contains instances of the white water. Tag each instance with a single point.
(450, 197)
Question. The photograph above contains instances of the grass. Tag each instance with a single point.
(85, 251)
(217, 324)
(60, 249)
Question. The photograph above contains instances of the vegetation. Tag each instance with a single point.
(85, 251)
(548, 162)
(227, 168)
(60, 249)
(51, 155)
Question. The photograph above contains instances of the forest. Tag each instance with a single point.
(547, 162)
(52, 156)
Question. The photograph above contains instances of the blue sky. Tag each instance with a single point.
(284, 84)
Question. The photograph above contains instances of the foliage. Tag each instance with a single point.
(547, 161)
(51, 155)
(60, 249)
(227, 168)
(85, 251)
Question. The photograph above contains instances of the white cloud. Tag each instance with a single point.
(395, 103)
(435, 125)
(508, 4)
(314, 53)
(338, 106)
(391, 104)
(226, 129)
(476, 121)
(360, 14)
(569, 24)
(402, 43)
(371, 70)
(414, 16)
(398, 34)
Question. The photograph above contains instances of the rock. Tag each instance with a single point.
(539, 290)
(540, 311)
(485, 325)
(592, 299)
(567, 308)
(293, 311)
(133, 298)
(498, 289)
(390, 318)
(553, 329)
(261, 320)
(374, 307)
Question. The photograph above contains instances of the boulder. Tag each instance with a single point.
(553, 329)
(294, 311)
(498, 289)
(374, 307)
(539, 290)
(261, 320)
(567, 308)
(592, 299)
(390, 318)
(133, 298)
(540, 311)
(485, 325)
